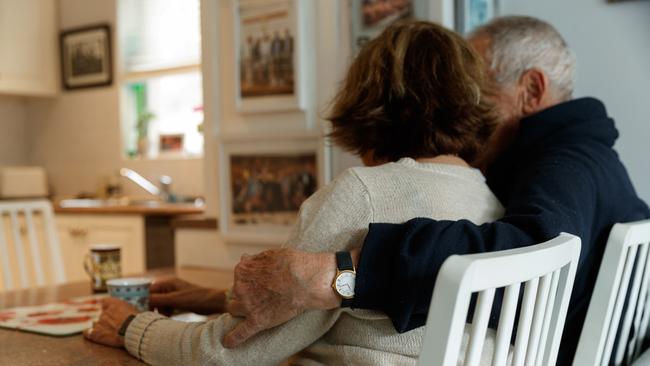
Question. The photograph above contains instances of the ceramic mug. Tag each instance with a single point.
(103, 263)
(135, 291)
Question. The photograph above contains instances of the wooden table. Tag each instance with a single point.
(20, 348)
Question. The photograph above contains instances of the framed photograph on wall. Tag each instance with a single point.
(269, 50)
(86, 59)
(263, 184)
(472, 13)
(371, 17)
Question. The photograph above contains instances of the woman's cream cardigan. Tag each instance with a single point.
(334, 218)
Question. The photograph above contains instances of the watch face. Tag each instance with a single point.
(345, 284)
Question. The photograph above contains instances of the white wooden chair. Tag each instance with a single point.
(548, 271)
(624, 273)
(19, 226)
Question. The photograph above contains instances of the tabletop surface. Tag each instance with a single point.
(20, 348)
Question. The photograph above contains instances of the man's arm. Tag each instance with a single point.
(398, 265)
(170, 294)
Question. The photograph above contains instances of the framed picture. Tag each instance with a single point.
(371, 17)
(269, 49)
(86, 59)
(171, 143)
(263, 184)
(472, 13)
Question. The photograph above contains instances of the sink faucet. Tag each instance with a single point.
(164, 192)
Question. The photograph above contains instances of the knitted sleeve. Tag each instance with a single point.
(335, 217)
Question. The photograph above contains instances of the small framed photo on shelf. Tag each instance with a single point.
(171, 143)
(268, 43)
(263, 184)
(86, 59)
(370, 17)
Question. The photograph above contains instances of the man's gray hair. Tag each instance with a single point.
(521, 43)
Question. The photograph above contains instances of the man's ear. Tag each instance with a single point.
(535, 86)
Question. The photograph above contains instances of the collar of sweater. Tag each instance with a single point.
(583, 118)
(465, 172)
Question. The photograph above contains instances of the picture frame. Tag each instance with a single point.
(263, 182)
(171, 144)
(269, 46)
(472, 13)
(86, 57)
(369, 18)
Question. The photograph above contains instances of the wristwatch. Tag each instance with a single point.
(125, 325)
(345, 278)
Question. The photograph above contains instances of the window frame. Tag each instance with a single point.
(123, 77)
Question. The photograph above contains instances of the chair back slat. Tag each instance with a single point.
(525, 321)
(54, 245)
(21, 236)
(547, 271)
(548, 315)
(619, 306)
(33, 244)
(7, 274)
(479, 327)
(19, 248)
(538, 319)
(629, 312)
(643, 310)
(506, 324)
(562, 298)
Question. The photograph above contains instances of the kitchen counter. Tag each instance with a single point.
(142, 226)
(148, 209)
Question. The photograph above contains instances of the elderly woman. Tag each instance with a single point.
(412, 107)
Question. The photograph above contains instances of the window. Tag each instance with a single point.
(161, 84)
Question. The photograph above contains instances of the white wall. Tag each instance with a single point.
(77, 136)
(612, 43)
(325, 64)
(13, 131)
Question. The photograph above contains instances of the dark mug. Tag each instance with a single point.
(102, 264)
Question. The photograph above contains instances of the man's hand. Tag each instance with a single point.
(114, 313)
(172, 294)
(277, 285)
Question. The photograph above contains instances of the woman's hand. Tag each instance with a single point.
(105, 330)
(172, 294)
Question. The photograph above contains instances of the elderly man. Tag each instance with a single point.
(551, 164)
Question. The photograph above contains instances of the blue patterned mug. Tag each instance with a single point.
(135, 291)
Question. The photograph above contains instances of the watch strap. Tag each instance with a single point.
(344, 261)
(125, 325)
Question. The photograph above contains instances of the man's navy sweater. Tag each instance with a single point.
(560, 175)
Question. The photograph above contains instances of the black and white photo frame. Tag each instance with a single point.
(86, 57)
(270, 48)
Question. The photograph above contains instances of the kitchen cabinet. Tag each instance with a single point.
(77, 232)
(29, 63)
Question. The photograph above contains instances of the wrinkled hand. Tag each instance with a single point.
(277, 285)
(171, 294)
(114, 313)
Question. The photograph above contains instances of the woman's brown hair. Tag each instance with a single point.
(417, 90)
